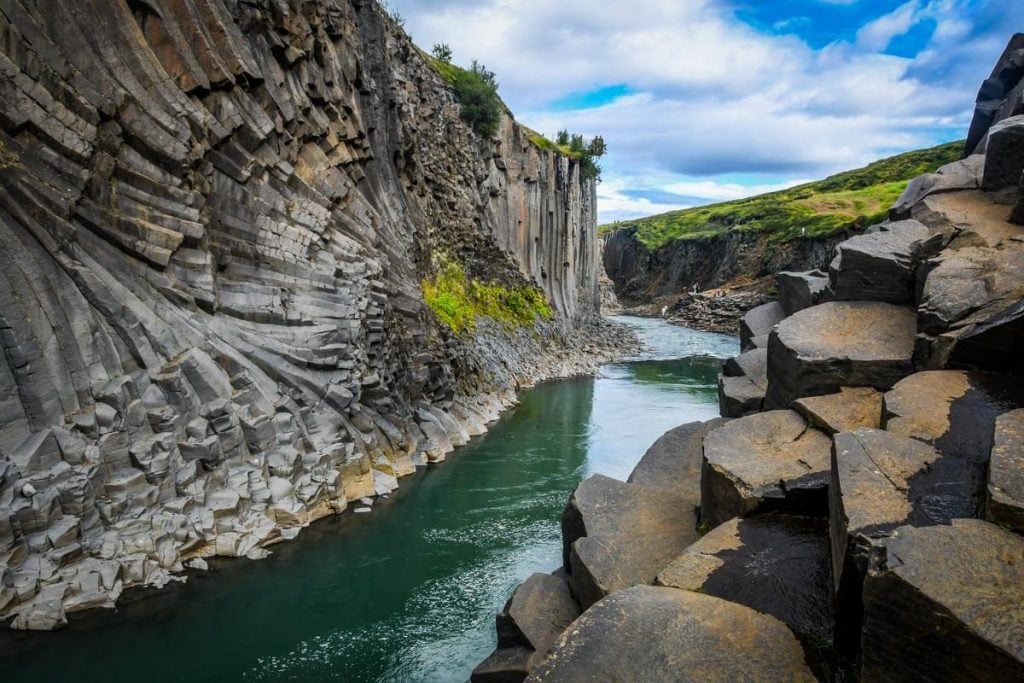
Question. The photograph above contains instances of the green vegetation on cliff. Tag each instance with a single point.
(574, 146)
(458, 300)
(847, 200)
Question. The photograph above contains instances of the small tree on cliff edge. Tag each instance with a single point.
(477, 93)
(443, 53)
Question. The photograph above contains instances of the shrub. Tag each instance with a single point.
(476, 91)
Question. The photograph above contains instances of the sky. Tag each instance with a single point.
(709, 100)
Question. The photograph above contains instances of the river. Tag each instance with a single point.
(409, 591)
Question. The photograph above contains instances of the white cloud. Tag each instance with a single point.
(711, 96)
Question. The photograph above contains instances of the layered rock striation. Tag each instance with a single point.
(215, 218)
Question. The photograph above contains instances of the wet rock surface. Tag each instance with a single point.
(775, 564)
(944, 603)
(618, 535)
(651, 634)
(1006, 472)
(853, 344)
(761, 463)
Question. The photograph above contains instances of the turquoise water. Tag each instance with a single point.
(409, 592)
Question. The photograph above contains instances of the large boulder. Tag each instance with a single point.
(944, 603)
(758, 322)
(879, 265)
(1004, 154)
(1006, 472)
(972, 309)
(761, 463)
(1000, 96)
(663, 634)
(776, 564)
(798, 291)
(955, 411)
(673, 462)
(618, 535)
(849, 409)
(839, 344)
(964, 174)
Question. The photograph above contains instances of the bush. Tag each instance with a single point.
(477, 93)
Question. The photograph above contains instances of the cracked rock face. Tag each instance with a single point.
(215, 217)
(764, 462)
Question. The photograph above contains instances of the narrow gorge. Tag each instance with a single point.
(217, 217)
(317, 364)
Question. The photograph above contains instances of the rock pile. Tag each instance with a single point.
(215, 218)
(868, 496)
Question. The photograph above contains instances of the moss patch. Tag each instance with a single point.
(847, 200)
(458, 300)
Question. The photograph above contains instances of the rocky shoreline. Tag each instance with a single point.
(858, 510)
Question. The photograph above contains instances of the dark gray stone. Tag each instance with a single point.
(649, 633)
(758, 322)
(959, 175)
(943, 603)
(618, 535)
(762, 463)
(1004, 154)
(879, 265)
(739, 396)
(1006, 472)
(839, 344)
(673, 462)
(504, 665)
(798, 291)
(538, 611)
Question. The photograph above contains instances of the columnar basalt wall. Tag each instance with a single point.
(215, 216)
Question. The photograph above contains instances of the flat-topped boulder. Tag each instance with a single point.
(743, 384)
(964, 174)
(673, 462)
(956, 412)
(879, 265)
(649, 633)
(1004, 154)
(762, 463)
(540, 609)
(776, 564)
(944, 603)
(972, 309)
(618, 535)
(839, 344)
(1006, 472)
(851, 408)
(758, 322)
(798, 291)
(966, 219)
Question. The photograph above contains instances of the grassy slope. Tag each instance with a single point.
(853, 198)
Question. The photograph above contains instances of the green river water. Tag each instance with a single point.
(409, 592)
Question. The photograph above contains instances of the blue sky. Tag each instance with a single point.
(708, 100)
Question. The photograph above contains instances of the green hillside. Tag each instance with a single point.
(845, 200)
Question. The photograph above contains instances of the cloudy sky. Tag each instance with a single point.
(707, 100)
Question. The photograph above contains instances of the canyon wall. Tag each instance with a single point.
(642, 276)
(215, 217)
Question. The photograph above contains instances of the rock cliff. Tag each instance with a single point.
(215, 218)
(862, 498)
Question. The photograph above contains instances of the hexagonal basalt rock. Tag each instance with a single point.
(538, 611)
(647, 633)
(837, 344)
(946, 603)
(1006, 472)
(959, 175)
(776, 564)
(758, 322)
(673, 462)
(1004, 154)
(879, 265)
(956, 412)
(762, 463)
(798, 291)
(743, 383)
(618, 535)
(845, 411)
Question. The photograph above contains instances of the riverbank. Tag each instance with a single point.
(409, 590)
